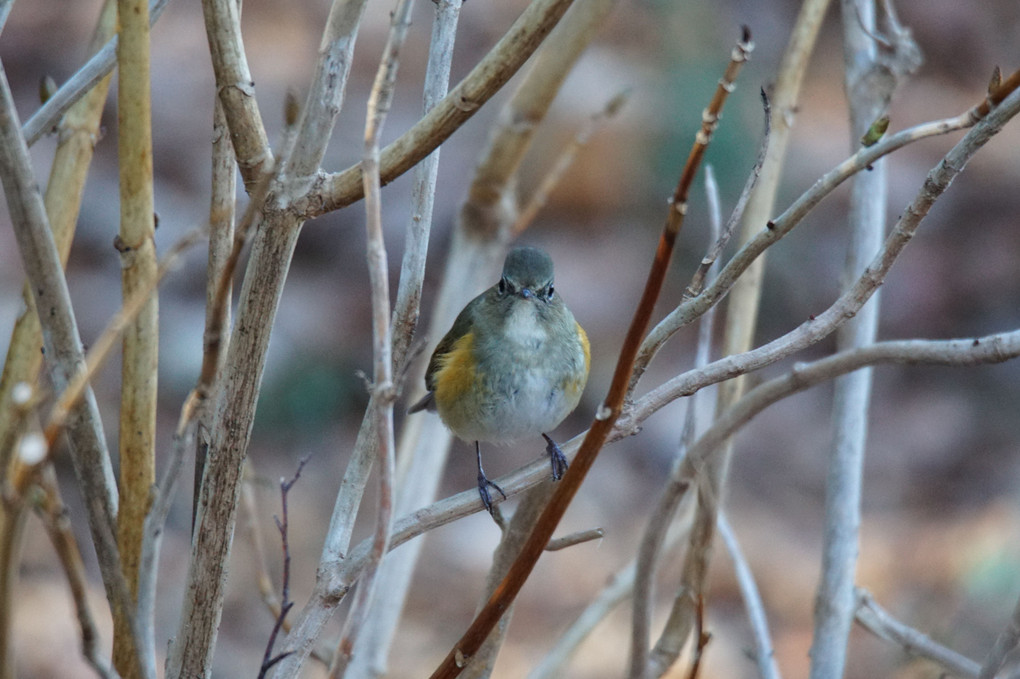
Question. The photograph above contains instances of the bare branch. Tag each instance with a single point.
(881, 623)
(720, 241)
(326, 94)
(236, 89)
(580, 537)
(383, 388)
(871, 77)
(564, 161)
(491, 73)
(1005, 643)
(86, 78)
(58, 527)
(764, 654)
(821, 325)
(61, 341)
(285, 604)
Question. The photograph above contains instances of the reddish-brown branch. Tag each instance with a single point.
(606, 416)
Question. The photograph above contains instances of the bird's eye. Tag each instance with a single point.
(550, 294)
(501, 287)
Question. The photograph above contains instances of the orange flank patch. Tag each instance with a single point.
(584, 345)
(456, 373)
(575, 385)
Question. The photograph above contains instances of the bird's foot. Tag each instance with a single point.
(556, 458)
(483, 491)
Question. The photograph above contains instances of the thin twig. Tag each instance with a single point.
(100, 350)
(421, 456)
(152, 538)
(383, 387)
(720, 241)
(1005, 643)
(282, 525)
(53, 513)
(882, 624)
(95, 69)
(780, 226)
(484, 80)
(764, 654)
(577, 538)
(564, 160)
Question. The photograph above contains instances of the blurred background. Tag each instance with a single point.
(942, 478)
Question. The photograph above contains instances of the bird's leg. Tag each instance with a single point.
(484, 482)
(556, 458)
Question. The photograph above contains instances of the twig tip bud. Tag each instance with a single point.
(47, 88)
(291, 108)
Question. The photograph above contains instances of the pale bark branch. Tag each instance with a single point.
(1005, 644)
(383, 389)
(78, 85)
(236, 90)
(420, 457)
(326, 94)
(882, 624)
(653, 540)
(491, 73)
(764, 653)
(64, 353)
(869, 83)
(54, 517)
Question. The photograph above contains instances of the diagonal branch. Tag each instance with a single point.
(63, 346)
(872, 617)
(611, 408)
(491, 73)
(78, 85)
(780, 226)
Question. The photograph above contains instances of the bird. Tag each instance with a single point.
(513, 365)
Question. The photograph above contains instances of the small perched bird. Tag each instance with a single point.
(513, 365)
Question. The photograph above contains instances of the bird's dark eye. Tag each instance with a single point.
(501, 287)
(549, 295)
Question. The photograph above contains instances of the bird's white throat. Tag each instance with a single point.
(522, 326)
